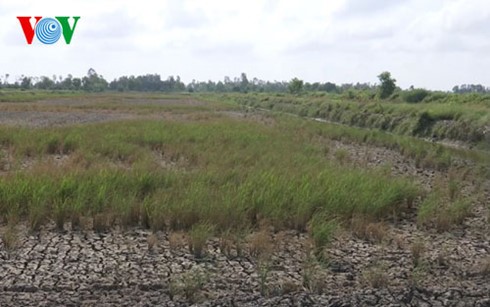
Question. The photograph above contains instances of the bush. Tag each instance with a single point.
(415, 96)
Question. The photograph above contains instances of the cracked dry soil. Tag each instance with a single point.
(121, 269)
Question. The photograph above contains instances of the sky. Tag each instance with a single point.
(433, 44)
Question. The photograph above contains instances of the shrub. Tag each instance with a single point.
(415, 95)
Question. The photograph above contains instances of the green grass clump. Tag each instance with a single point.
(198, 237)
(322, 232)
(443, 213)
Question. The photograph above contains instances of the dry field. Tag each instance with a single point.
(147, 199)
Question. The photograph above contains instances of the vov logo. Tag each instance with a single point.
(48, 30)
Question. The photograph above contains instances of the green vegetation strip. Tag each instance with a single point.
(459, 119)
(227, 173)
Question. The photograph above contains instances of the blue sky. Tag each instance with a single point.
(434, 44)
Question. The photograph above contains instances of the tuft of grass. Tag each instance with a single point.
(260, 244)
(454, 189)
(417, 250)
(289, 287)
(375, 277)
(312, 278)
(189, 284)
(369, 231)
(264, 270)
(441, 213)
(152, 241)
(226, 243)
(10, 238)
(102, 222)
(60, 213)
(419, 275)
(176, 240)
(322, 232)
(342, 156)
(442, 258)
(198, 237)
(232, 242)
(37, 218)
(129, 210)
(75, 220)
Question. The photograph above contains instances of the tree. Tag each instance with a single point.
(77, 83)
(244, 83)
(45, 83)
(295, 86)
(94, 82)
(387, 86)
(26, 83)
(67, 83)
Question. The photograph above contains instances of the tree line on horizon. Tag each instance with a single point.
(94, 82)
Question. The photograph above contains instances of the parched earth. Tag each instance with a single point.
(125, 269)
(50, 119)
(73, 111)
(397, 264)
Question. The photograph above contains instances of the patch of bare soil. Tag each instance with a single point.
(254, 116)
(171, 102)
(50, 119)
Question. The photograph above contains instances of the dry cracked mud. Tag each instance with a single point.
(121, 268)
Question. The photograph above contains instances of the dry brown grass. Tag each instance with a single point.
(131, 218)
(313, 276)
(177, 240)
(417, 250)
(442, 258)
(260, 244)
(398, 241)
(226, 244)
(102, 222)
(375, 277)
(75, 219)
(289, 286)
(152, 241)
(369, 231)
(231, 243)
(10, 238)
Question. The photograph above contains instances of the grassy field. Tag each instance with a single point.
(209, 168)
